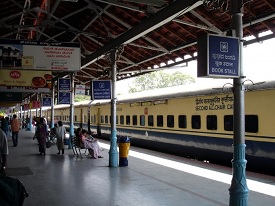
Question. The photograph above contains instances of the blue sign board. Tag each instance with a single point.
(46, 101)
(218, 56)
(101, 89)
(64, 97)
(64, 84)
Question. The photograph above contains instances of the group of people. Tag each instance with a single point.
(85, 140)
(42, 134)
(15, 127)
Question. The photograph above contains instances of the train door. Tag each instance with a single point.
(98, 121)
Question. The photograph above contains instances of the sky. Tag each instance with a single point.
(258, 65)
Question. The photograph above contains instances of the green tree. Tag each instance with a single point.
(79, 98)
(159, 79)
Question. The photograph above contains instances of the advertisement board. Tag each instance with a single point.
(24, 78)
(36, 55)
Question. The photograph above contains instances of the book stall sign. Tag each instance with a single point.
(101, 89)
(46, 101)
(36, 55)
(64, 97)
(218, 56)
(64, 84)
(23, 78)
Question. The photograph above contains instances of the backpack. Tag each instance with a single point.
(12, 191)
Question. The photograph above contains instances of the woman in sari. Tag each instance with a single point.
(41, 135)
(91, 144)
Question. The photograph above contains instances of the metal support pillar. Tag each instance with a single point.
(113, 153)
(238, 190)
(41, 102)
(30, 105)
(36, 112)
(71, 112)
(52, 107)
(89, 117)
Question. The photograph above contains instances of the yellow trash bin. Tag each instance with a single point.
(124, 146)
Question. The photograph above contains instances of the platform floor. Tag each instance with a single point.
(57, 180)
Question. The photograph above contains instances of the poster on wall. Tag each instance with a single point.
(23, 78)
(36, 55)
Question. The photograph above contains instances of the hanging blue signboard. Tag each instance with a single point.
(46, 101)
(101, 89)
(64, 97)
(64, 84)
(218, 56)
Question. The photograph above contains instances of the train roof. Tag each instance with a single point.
(217, 86)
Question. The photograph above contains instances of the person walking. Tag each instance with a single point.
(61, 132)
(41, 135)
(15, 127)
(4, 151)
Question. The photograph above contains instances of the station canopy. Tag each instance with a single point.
(148, 35)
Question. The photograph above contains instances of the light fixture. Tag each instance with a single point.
(70, 0)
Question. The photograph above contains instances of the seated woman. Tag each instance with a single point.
(90, 143)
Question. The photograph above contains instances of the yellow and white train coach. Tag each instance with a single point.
(188, 121)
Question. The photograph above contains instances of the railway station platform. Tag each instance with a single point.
(150, 179)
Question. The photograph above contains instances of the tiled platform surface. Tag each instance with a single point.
(65, 180)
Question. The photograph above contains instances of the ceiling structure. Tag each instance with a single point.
(148, 35)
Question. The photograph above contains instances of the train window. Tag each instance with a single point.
(196, 121)
(251, 123)
(228, 122)
(134, 119)
(142, 120)
(160, 120)
(75, 117)
(121, 119)
(211, 122)
(182, 121)
(150, 120)
(127, 119)
(101, 119)
(106, 119)
(170, 121)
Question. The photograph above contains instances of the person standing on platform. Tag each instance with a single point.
(3, 151)
(15, 127)
(61, 132)
(5, 125)
(41, 135)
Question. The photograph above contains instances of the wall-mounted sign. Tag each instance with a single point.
(35, 104)
(23, 78)
(64, 97)
(46, 101)
(10, 97)
(80, 89)
(35, 55)
(64, 84)
(101, 89)
(24, 89)
(218, 56)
